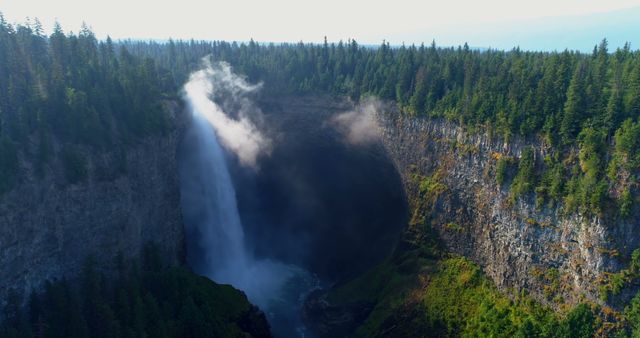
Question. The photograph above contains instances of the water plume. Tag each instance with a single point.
(359, 126)
(237, 133)
(216, 245)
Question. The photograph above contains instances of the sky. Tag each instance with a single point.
(541, 24)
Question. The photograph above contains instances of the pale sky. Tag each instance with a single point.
(448, 21)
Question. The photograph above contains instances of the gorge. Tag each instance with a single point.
(304, 202)
(341, 189)
(269, 240)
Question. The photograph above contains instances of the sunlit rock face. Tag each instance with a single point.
(521, 246)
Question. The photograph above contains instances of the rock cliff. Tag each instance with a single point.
(48, 226)
(556, 257)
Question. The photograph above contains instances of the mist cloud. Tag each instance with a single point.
(360, 125)
(221, 97)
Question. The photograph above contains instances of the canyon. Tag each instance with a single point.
(50, 227)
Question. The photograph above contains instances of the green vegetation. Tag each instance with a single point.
(525, 177)
(80, 90)
(72, 90)
(390, 284)
(614, 283)
(626, 203)
(551, 186)
(146, 300)
(453, 298)
(480, 310)
(431, 185)
(632, 313)
(8, 163)
(501, 170)
(573, 102)
(554, 94)
(77, 94)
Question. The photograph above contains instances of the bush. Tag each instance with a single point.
(525, 178)
(579, 323)
(632, 314)
(626, 203)
(501, 170)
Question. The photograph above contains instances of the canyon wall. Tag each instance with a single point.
(48, 227)
(556, 257)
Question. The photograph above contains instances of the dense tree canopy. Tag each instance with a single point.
(575, 103)
(66, 92)
(85, 91)
(147, 299)
(556, 94)
(74, 89)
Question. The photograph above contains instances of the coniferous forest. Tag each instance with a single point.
(583, 107)
(146, 299)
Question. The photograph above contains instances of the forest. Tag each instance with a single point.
(579, 111)
(581, 108)
(147, 299)
(71, 90)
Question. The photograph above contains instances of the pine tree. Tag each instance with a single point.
(574, 106)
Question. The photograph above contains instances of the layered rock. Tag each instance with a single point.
(554, 256)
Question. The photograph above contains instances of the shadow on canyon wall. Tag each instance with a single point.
(317, 201)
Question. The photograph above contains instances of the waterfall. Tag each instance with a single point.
(215, 210)
(216, 245)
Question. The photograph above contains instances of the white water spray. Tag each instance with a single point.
(216, 244)
(239, 135)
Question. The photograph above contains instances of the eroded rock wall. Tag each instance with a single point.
(48, 227)
(554, 256)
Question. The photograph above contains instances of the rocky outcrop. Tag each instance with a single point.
(555, 257)
(48, 227)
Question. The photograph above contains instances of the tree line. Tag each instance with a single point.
(583, 107)
(71, 89)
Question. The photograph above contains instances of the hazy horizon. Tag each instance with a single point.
(498, 24)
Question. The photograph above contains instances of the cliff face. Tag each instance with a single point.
(555, 257)
(48, 227)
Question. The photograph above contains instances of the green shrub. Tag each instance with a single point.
(430, 185)
(579, 323)
(632, 315)
(626, 203)
(501, 170)
(44, 151)
(525, 178)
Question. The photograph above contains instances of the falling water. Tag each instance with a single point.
(215, 238)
